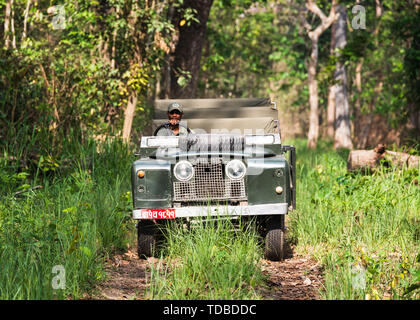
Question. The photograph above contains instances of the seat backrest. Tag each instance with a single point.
(203, 115)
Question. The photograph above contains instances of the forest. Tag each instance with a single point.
(77, 85)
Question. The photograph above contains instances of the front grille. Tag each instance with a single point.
(209, 183)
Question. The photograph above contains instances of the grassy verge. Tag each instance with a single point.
(364, 229)
(53, 239)
(210, 261)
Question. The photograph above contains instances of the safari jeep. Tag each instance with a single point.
(232, 164)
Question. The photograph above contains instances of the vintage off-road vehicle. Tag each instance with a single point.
(232, 164)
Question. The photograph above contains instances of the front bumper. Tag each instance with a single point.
(203, 211)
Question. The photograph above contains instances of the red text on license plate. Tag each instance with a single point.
(157, 213)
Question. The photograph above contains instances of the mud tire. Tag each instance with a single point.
(274, 239)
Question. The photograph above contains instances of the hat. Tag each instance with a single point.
(175, 106)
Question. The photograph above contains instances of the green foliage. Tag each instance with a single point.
(388, 51)
(352, 222)
(209, 261)
(246, 39)
(260, 48)
(79, 217)
(66, 78)
(64, 197)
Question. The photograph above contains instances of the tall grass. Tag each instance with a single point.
(79, 216)
(364, 227)
(359, 227)
(210, 261)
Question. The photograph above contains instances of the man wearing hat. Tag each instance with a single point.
(173, 126)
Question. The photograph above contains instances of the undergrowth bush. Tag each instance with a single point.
(70, 212)
(364, 229)
(210, 261)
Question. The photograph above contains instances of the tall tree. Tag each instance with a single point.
(186, 62)
(314, 35)
(7, 18)
(25, 21)
(331, 91)
(342, 138)
(364, 131)
(147, 43)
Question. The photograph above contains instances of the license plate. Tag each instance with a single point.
(157, 214)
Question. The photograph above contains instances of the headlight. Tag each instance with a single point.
(183, 170)
(235, 169)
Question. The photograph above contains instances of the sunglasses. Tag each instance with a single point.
(175, 112)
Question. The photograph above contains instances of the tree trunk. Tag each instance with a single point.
(165, 81)
(342, 137)
(358, 102)
(313, 97)
(25, 20)
(363, 132)
(129, 116)
(401, 159)
(365, 160)
(137, 36)
(369, 160)
(314, 35)
(12, 26)
(187, 54)
(331, 91)
(7, 24)
(276, 67)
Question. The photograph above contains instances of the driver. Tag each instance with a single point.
(173, 126)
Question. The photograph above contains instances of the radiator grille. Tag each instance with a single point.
(209, 183)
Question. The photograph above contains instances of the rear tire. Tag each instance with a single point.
(146, 238)
(274, 239)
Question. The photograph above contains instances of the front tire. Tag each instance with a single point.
(274, 239)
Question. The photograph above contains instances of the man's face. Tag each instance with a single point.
(174, 117)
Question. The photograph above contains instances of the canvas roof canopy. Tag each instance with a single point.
(246, 115)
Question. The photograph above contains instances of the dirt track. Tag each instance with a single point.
(295, 278)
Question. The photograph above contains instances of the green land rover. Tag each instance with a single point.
(231, 165)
